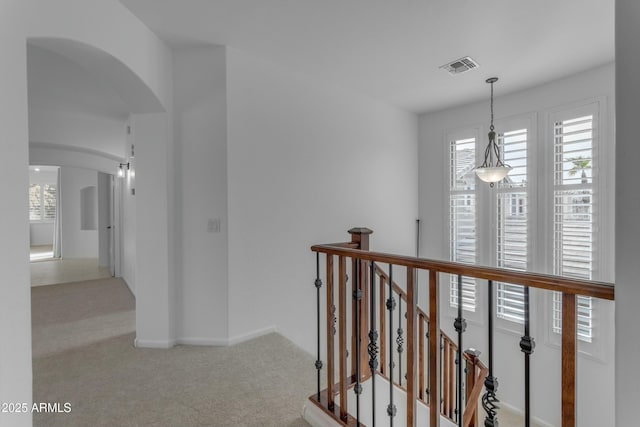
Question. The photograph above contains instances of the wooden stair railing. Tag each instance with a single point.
(370, 324)
(474, 366)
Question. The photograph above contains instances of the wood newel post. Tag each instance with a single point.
(434, 350)
(471, 370)
(360, 236)
(412, 341)
(569, 334)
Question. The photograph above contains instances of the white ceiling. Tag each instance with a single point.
(57, 83)
(392, 50)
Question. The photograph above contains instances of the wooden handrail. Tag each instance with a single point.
(441, 383)
(534, 280)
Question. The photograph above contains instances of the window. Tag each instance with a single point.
(512, 219)
(42, 202)
(573, 213)
(573, 217)
(462, 217)
(551, 214)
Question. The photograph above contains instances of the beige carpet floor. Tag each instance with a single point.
(83, 334)
(82, 356)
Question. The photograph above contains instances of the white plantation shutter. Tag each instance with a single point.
(462, 217)
(512, 207)
(35, 203)
(555, 196)
(573, 207)
(49, 201)
(42, 202)
(585, 316)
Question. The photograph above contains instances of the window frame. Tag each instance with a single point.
(477, 316)
(528, 121)
(602, 173)
(540, 161)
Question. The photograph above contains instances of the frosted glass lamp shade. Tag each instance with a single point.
(493, 174)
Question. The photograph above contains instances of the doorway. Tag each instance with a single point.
(43, 214)
(71, 221)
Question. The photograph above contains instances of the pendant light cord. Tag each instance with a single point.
(491, 127)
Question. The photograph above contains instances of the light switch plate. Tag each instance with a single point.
(213, 225)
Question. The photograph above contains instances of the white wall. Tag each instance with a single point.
(155, 283)
(146, 62)
(43, 177)
(64, 155)
(595, 381)
(41, 233)
(15, 293)
(201, 136)
(92, 23)
(76, 242)
(627, 376)
(306, 163)
(99, 133)
(126, 251)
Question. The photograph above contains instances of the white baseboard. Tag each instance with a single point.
(251, 335)
(132, 290)
(138, 343)
(212, 342)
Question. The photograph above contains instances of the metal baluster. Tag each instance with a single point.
(373, 346)
(527, 345)
(331, 332)
(460, 325)
(318, 284)
(391, 304)
(357, 296)
(400, 340)
(489, 398)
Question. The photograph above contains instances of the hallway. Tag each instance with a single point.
(84, 355)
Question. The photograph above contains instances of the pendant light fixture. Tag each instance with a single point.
(492, 170)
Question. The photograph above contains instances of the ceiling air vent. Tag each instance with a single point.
(460, 66)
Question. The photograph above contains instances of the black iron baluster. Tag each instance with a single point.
(489, 399)
(400, 340)
(318, 284)
(357, 296)
(331, 332)
(391, 305)
(373, 345)
(460, 325)
(527, 344)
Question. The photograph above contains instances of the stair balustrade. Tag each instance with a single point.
(382, 332)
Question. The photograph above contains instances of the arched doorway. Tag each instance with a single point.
(82, 107)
